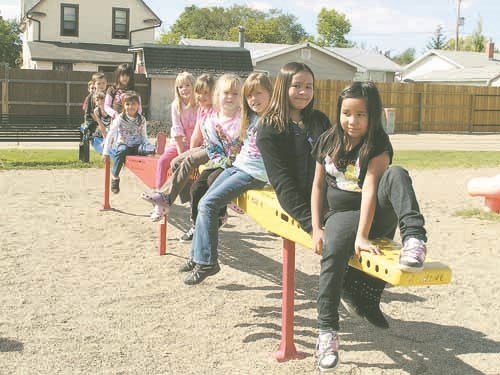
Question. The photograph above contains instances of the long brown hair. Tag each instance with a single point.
(278, 111)
(253, 82)
(128, 70)
(337, 138)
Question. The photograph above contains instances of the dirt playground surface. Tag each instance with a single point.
(84, 291)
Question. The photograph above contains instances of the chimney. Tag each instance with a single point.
(490, 50)
(241, 30)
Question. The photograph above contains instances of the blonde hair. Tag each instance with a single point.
(184, 77)
(228, 81)
(205, 82)
(99, 95)
(253, 82)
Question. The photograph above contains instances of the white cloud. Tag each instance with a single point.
(260, 5)
(9, 11)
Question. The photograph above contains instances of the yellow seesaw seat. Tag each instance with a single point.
(264, 208)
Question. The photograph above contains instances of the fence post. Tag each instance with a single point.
(5, 90)
(471, 116)
(420, 111)
(68, 103)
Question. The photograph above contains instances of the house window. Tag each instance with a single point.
(69, 20)
(62, 67)
(120, 23)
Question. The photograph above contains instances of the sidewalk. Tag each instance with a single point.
(422, 141)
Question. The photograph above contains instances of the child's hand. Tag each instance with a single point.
(364, 244)
(317, 236)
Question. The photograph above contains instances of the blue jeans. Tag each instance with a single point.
(227, 186)
(97, 143)
(118, 155)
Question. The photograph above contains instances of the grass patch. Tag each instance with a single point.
(45, 159)
(446, 159)
(478, 214)
(61, 159)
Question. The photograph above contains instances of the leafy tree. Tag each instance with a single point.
(472, 43)
(478, 40)
(10, 42)
(332, 26)
(406, 57)
(438, 41)
(222, 24)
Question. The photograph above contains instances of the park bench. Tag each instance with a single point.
(264, 208)
(39, 128)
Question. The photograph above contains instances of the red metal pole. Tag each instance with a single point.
(163, 236)
(107, 175)
(286, 350)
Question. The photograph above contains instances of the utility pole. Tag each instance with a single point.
(459, 23)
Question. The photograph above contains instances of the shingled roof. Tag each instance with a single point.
(161, 59)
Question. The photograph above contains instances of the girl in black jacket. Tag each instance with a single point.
(289, 130)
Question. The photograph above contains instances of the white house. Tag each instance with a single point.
(455, 68)
(327, 63)
(85, 35)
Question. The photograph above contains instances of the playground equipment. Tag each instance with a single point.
(487, 187)
(264, 208)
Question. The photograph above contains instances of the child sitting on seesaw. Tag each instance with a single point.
(127, 133)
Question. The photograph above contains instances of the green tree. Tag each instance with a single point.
(332, 26)
(222, 24)
(405, 57)
(10, 42)
(438, 41)
(476, 42)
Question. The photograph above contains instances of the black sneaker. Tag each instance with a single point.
(200, 273)
(115, 185)
(188, 236)
(188, 266)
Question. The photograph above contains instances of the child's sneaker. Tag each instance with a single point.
(327, 350)
(156, 198)
(188, 236)
(158, 213)
(412, 255)
(188, 266)
(201, 272)
(115, 185)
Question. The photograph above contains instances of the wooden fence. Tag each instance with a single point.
(419, 107)
(51, 93)
(428, 107)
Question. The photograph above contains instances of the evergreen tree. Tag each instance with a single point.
(438, 41)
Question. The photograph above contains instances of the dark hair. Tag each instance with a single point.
(337, 138)
(130, 96)
(125, 69)
(278, 112)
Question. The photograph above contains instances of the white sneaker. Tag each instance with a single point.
(412, 255)
(327, 351)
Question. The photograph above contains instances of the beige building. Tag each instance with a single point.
(326, 63)
(88, 35)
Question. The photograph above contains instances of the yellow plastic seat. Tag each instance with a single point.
(264, 208)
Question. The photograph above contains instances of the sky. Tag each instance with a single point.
(388, 25)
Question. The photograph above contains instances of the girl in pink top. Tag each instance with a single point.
(124, 81)
(183, 122)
